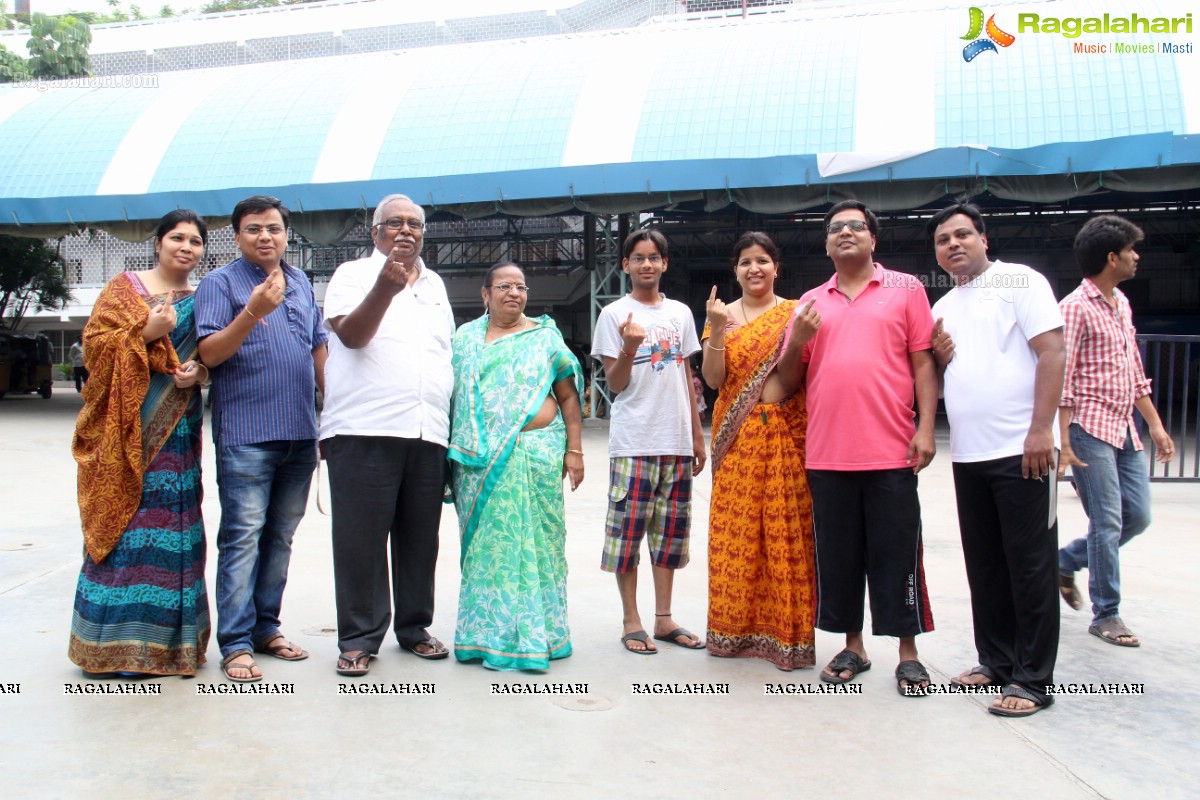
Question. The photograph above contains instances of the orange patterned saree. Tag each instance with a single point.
(761, 573)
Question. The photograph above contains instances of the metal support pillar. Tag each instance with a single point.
(602, 243)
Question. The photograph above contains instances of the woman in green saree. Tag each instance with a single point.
(515, 433)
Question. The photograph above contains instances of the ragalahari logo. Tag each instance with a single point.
(995, 36)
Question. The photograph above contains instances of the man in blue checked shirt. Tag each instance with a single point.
(261, 336)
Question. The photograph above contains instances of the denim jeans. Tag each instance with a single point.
(264, 492)
(1115, 490)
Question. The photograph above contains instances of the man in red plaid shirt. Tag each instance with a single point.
(1104, 383)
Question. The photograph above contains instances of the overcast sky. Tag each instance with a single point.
(151, 7)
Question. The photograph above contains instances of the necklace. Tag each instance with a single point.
(746, 319)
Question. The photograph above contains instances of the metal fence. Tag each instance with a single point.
(1173, 365)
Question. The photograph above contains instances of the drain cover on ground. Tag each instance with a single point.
(582, 702)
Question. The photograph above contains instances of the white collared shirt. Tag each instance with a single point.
(400, 383)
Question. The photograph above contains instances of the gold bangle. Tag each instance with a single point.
(710, 347)
(251, 313)
(576, 452)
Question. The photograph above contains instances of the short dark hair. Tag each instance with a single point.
(173, 218)
(256, 205)
(966, 209)
(1100, 236)
(487, 276)
(751, 238)
(847, 205)
(651, 235)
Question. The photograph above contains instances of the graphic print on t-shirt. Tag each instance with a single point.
(663, 345)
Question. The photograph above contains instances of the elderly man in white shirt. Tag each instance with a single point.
(384, 430)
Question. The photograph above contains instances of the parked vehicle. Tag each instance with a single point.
(26, 364)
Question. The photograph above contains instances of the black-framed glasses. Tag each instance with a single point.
(856, 225)
(398, 223)
(255, 230)
(505, 288)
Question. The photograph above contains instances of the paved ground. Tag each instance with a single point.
(465, 741)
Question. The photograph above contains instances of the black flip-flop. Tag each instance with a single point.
(847, 660)
(354, 671)
(673, 638)
(638, 636)
(439, 649)
(1013, 690)
(912, 673)
(957, 680)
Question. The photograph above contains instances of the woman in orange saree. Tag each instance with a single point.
(761, 574)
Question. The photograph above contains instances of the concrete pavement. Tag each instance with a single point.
(464, 741)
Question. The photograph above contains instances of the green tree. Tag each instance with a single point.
(31, 276)
(58, 46)
(12, 67)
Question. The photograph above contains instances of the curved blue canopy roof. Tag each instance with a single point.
(812, 98)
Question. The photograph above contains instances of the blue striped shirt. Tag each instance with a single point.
(266, 391)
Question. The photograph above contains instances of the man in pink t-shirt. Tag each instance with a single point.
(860, 342)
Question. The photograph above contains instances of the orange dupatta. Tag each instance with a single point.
(751, 352)
(108, 434)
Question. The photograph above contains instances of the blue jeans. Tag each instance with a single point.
(1115, 490)
(264, 492)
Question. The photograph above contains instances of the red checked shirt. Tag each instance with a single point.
(1104, 368)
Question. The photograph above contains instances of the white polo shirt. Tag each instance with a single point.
(400, 383)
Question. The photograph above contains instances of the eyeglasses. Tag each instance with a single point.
(637, 261)
(255, 230)
(505, 288)
(856, 225)
(398, 223)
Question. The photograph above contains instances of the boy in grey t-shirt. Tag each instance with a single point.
(655, 442)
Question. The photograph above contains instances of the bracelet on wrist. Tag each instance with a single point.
(251, 313)
(576, 452)
(630, 355)
(710, 347)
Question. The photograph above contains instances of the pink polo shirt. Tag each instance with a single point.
(860, 381)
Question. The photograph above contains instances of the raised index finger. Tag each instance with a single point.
(713, 296)
(937, 327)
(808, 306)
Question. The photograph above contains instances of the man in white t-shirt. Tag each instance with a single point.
(998, 343)
(384, 430)
(655, 442)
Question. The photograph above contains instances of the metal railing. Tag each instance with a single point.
(1173, 365)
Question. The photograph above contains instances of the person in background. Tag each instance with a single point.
(1105, 382)
(78, 369)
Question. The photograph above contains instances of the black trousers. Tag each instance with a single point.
(81, 375)
(867, 532)
(384, 488)
(1010, 543)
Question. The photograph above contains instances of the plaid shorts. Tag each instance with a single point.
(647, 495)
